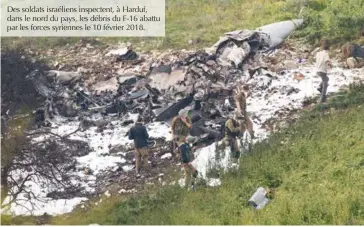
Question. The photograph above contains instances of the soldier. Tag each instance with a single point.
(139, 134)
(180, 127)
(353, 50)
(232, 130)
(186, 159)
(323, 63)
(240, 100)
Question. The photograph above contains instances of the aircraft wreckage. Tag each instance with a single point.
(202, 81)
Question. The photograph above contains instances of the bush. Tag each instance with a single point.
(337, 20)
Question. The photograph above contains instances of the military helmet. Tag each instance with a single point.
(190, 139)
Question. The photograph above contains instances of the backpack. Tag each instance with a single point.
(190, 153)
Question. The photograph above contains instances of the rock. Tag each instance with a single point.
(290, 64)
(162, 69)
(101, 123)
(107, 85)
(351, 63)
(82, 70)
(67, 110)
(64, 77)
(115, 149)
(107, 194)
(341, 65)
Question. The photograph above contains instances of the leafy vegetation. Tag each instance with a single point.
(202, 22)
(338, 21)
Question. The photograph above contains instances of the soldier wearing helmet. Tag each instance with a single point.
(232, 130)
(242, 93)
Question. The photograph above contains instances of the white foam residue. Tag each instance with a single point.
(270, 98)
(213, 182)
(119, 51)
(49, 206)
(127, 168)
(98, 163)
(127, 191)
(159, 130)
(264, 105)
(206, 159)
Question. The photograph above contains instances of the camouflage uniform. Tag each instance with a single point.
(232, 130)
(245, 122)
(189, 170)
(180, 129)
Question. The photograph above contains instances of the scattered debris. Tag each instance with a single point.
(65, 78)
(168, 155)
(259, 199)
(105, 101)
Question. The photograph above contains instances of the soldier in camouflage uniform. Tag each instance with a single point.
(186, 155)
(180, 127)
(242, 116)
(232, 130)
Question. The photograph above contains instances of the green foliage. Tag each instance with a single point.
(336, 20)
(9, 220)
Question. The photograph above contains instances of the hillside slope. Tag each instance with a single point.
(315, 169)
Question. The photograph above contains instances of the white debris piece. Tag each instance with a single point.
(127, 191)
(127, 168)
(258, 200)
(107, 194)
(168, 155)
(213, 182)
(120, 51)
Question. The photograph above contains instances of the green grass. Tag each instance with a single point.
(204, 21)
(314, 168)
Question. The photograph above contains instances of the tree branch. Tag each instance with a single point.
(54, 134)
(20, 189)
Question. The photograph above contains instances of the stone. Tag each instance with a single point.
(351, 63)
(82, 70)
(290, 64)
(108, 85)
(64, 77)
